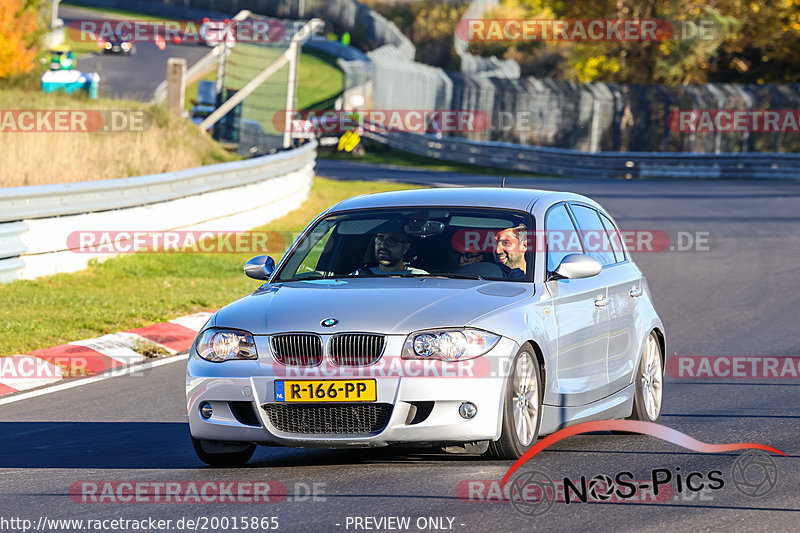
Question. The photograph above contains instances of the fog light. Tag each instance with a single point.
(467, 410)
(206, 411)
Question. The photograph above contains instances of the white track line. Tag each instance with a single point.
(113, 373)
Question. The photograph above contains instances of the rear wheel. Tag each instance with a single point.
(649, 392)
(239, 456)
(522, 407)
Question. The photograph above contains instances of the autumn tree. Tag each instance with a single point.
(19, 33)
(429, 24)
(744, 41)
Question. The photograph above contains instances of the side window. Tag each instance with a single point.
(562, 238)
(311, 261)
(614, 237)
(304, 264)
(593, 234)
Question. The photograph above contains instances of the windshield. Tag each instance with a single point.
(469, 243)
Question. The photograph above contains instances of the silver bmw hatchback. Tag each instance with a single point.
(473, 319)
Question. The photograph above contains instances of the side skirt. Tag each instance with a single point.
(618, 405)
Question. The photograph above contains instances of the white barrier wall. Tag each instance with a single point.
(238, 201)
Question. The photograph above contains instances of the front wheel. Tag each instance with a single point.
(222, 458)
(522, 407)
(649, 392)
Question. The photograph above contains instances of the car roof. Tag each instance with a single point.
(504, 198)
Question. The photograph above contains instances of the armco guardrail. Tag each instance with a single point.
(574, 163)
(36, 221)
(39, 201)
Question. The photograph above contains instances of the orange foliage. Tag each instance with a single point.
(18, 23)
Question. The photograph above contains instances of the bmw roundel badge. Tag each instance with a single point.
(329, 322)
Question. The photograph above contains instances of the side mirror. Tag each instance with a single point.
(260, 267)
(576, 266)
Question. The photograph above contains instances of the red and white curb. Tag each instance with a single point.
(94, 356)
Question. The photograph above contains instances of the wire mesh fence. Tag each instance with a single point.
(256, 124)
(544, 112)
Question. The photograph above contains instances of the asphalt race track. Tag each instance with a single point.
(737, 294)
(133, 77)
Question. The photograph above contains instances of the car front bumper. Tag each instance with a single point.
(413, 390)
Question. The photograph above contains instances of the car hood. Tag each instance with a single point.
(379, 305)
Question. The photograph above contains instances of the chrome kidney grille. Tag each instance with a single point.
(297, 349)
(356, 349)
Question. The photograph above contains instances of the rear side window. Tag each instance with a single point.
(614, 237)
(593, 234)
(562, 237)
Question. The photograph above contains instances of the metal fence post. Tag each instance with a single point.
(176, 84)
(291, 88)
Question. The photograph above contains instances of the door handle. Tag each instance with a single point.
(601, 302)
(635, 293)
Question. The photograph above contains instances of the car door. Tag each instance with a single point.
(620, 278)
(581, 317)
(624, 288)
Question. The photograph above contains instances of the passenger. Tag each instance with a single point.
(512, 243)
(467, 258)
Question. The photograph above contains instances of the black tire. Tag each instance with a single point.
(509, 445)
(656, 373)
(223, 459)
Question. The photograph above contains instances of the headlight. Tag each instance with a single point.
(125, 46)
(449, 344)
(107, 46)
(218, 345)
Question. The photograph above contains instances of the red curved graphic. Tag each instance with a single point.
(645, 428)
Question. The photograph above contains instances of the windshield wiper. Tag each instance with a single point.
(453, 276)
(368, 274)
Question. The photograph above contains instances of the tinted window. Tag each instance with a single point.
(614, 237)
(593, 234)
(562, 238)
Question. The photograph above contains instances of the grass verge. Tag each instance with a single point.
(170, 143)
(136, 290)
(112, 12)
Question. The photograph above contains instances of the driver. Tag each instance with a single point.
(390, 248)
